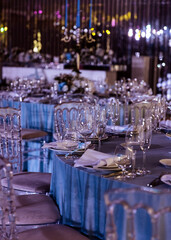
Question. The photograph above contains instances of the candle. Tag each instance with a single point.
(78, 14)
(66, 12)
(90, 14)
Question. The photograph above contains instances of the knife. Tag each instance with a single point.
(155, 182)
(113, 174)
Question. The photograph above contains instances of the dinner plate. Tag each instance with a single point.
(118, 130)
(77, 151)
(168, 135)
(166, 162)
(104, 168)
(166, 179)
(94, 139)
(64, 152)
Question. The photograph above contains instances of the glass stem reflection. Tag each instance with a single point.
(99, 143)
(144, 160)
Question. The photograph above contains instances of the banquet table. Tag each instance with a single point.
(79, 192)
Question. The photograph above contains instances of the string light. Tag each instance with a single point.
(130, 32)
(143, 34)
(108, 32)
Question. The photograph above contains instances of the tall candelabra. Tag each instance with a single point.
(77, 37)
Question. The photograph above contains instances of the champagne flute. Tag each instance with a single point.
(145, 137)
(112, 113)
(100, 129)
(132, 145)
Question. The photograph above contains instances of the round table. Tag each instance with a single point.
(79, 192)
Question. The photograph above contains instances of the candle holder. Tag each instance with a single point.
(66, 38)
(89, 39)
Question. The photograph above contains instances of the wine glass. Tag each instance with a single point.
(145, 137)
(123, 156)
(112, 113)
(132, 145)
(100, 130)
(85, 123)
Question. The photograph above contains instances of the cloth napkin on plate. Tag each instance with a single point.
(166, 124)
(66, 145)
(97, 159)
(62, 145)
(117, 129)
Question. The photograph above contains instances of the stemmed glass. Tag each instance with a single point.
(145, 137)
(100, 129)
(100, 122)
(132, 145)
(85, 123)
(112, 112)
(123, 161)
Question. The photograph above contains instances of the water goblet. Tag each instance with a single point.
(100, 130)
(123, 161)
(85, 124)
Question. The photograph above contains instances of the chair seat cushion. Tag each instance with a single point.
(36, 209)
(34, 182)
(27, 133)
(54, 232)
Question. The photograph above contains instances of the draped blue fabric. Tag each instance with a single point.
(80, 197)
(38, 116)
(34, 115)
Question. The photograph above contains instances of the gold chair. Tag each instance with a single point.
(138, 213)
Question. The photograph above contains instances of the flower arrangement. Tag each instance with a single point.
(70, 83)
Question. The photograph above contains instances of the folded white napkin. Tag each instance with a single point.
(166, 124)
(98, 159)
(67, 145)
(62, 145)
(118, 129)
(32, 99)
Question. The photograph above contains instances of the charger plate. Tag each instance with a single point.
(166, 179)
(104, 168)
(166, 162)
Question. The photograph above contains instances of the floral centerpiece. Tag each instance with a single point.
(71, 83)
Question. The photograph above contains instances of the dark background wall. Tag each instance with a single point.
(115, 23)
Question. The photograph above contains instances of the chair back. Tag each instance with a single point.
(140, 110)
(138, 213)
(10, 137)
(10, 99)
(66, 116)
(7, 204)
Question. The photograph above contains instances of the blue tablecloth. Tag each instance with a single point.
(38, 116)
(79, 193)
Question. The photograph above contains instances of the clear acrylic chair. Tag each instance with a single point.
(11, 148)
(32, 139)
(66, 116)
(11, 215)
(22, 211)
(138, 214)
(140, 110)
(7, 205)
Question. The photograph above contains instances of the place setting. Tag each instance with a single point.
(98, 161)
(68, 147)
